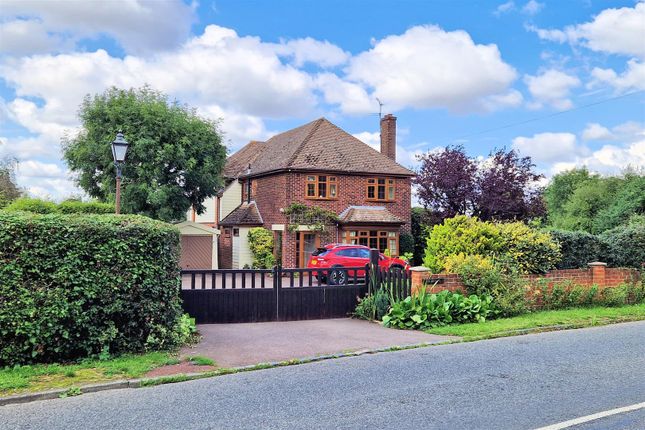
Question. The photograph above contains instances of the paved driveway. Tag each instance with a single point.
(251, 343)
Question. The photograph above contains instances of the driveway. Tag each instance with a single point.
(232, 345)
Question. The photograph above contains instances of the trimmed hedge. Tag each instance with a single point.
(28, 204)
(623, 246)
(578, 248)
(74, 286)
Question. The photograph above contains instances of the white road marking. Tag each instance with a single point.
(582, 420)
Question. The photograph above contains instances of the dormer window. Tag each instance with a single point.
(321, 187)
(380, 189)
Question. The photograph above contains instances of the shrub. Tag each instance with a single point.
(79, 207)
(74, 286)
(578, 248)
(423, 311)
(261, 244)
(625, 245)
(28, 204)
(526, 248)
(406, 243)
(482, 276)
(461, 234)
(373, 306)
(530, 250)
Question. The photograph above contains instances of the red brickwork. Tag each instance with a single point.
(388, 136)
(597, 274)
(278, 191)
(226, 248)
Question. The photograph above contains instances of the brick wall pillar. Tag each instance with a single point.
(598, 273)
(418, 275)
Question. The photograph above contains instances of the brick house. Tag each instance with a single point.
(317, 164)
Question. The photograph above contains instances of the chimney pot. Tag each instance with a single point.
(388, 136)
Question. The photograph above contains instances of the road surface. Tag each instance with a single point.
(524, 382)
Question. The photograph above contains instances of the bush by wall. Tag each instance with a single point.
(261, 244)
(578, 248)
(623, 246)
(525, 248)
(74, 286)
(28, 204)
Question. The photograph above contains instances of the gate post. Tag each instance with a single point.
(277, 286)
(375, 272)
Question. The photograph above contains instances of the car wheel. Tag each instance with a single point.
(338, 276)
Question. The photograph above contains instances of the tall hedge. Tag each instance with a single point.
(578, 248)
(623, 246)
(261, 244)
(74, 286)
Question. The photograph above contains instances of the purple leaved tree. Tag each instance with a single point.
(503, 187)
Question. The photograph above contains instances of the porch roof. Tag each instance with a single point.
(245, 214)
(368, 215)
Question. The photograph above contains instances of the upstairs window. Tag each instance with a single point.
(380, 189)
(321, 187)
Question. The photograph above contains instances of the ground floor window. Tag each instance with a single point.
(379, 239)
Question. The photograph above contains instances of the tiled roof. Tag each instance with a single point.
(237, 163)
(244, 214)
(318, 145)
(368, 215)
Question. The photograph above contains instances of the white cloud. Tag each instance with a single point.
(552, 87)
(548, 147)
(313, 51)
(561, 151)
(504, 8)
(427, 67)
(351, 97)
(25, 37)
(631, 79)
(595, 131)
(138, 25)
(532, 7)
(614, 31)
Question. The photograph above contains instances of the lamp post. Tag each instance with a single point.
(119, 148)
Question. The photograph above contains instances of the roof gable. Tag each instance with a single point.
(238, 163)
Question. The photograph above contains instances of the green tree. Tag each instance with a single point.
(9, 191)
(559, 191)
(173, 162)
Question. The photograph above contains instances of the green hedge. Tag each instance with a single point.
(28, 204)
(261, 245)
(623, 246)
(74, 286)
(578, 248)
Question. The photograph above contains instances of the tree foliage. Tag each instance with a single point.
(261, 245)
(501, 188)
(9, 191)
(173, 162)
(580, 201)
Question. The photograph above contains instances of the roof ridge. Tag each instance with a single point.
(311, 132)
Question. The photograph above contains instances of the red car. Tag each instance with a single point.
(337, 255)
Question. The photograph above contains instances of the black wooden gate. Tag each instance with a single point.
(252, 295)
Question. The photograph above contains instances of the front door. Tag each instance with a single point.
(307, 244)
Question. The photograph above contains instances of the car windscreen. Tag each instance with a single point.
(319, 252)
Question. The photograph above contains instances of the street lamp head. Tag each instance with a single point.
(119, 148)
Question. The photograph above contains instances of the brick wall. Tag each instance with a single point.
(597, 274)
(225, 248)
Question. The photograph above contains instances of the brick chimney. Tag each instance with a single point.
(388, 136)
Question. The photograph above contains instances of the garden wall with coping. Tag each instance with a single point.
(597, 273)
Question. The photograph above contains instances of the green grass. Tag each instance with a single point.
(201, 361)
(40, 377)
(544, 320)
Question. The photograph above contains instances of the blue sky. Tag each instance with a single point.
(560, 81)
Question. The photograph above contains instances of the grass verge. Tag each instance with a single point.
(41, 377)
(543, 321)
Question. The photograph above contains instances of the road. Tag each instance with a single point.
(524, 382)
